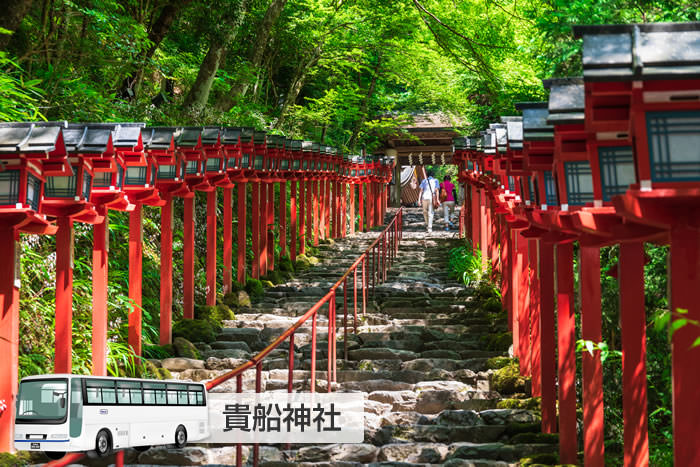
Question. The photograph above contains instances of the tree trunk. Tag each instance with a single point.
(297, 85)
(365, 104)
(13, 12)
(199, 94)
(156, 34)
(262, 37)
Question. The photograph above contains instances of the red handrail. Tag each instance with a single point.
(383, 254)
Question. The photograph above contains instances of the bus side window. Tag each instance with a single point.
(129, 392)
(94, 395)
(149, 396)
(108, 395)
(135, 395)
(160, 397)
(123, 396)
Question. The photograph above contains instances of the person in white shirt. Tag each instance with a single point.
(428, 187)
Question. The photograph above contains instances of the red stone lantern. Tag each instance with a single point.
(26, 149)
(642, 85)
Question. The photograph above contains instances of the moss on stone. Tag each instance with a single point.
(224, 313)
(255, 289)
(508, 380)
(18, 459)
(196, 330)
(492, 305)
(513, 429)
(185, 348)
(497, 341)
(266, 284)
(285, 265)
(164, 373)
(540, 459)
(535, 438)
(496, 363)
(531, 403)
(275, 277)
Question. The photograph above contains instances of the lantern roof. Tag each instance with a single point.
(210, 136)
(247, 134)
(159, 138)
(84, 138)
(307, 146)
(316, 147)
(231, 135)
(626, 52)
(535, 126)
(259, 137)
(459, 142)
(295, 145)
(566, 101)
(275, 141)
(514, 133)
(488, 141)
(28, 137)
(189, 136)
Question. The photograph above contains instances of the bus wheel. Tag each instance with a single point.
(180, 436)
(54, 455)
(103, 443)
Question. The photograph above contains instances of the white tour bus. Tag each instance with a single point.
(69, 413)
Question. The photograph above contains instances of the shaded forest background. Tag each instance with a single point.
(344, 72)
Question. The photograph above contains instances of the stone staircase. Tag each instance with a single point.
(421, 355)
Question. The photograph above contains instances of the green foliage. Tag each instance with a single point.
(255, 289)
(196, 330)
(465, 264)
(121, 361)
(158, 351)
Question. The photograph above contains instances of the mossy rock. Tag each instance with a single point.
(255, 289)
(20, 458)
(164, 373)
(486, 290)
(531, 403)
(267, 284)
(274, 277)
(302, 263)
(535, 438)
(540, 459)
(496, 363)
(230, 299)
(286, 265)
(497, 341)
(236, 286)
(508, 380)
(492, 305)
(196, 330)
(158, 351)
(224, 313)
(203, 311)
(513, 429)
(146, 369)
(185, 348)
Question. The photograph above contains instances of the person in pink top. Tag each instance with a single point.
(448, 205)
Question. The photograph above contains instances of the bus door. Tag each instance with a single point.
(76, 408)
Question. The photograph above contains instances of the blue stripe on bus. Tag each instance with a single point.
(42, 440)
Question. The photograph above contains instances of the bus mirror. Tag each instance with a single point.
(63, 402)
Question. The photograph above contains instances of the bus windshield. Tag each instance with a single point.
(42, 400)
